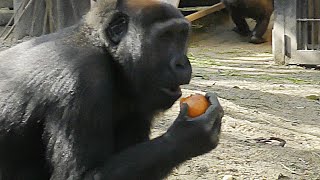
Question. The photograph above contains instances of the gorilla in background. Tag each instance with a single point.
(79, 103)
(259, 10)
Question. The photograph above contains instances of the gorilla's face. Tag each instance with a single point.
(151, 45)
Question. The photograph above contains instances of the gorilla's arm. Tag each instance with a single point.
(152, 159)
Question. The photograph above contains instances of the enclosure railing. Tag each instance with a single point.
(308, 24)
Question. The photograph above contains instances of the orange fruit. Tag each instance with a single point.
(198, 104)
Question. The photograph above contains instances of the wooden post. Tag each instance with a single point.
(278, 32)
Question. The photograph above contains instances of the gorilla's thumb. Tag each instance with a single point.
(183, 111)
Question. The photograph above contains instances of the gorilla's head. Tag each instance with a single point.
(149, 40)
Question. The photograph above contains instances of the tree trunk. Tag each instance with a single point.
(45, 16)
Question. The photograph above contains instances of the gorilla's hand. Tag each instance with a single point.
(195, 136)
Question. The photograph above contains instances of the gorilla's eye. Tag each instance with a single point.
(117, 28)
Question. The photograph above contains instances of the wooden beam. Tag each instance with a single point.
(197, 8)
(209, 10)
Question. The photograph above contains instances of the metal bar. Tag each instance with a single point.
(310, 9)
(299, 35)
(300, 7)
(305, 35)
(304, 7)
(300, 25)
(312, 36)
(301, 3)
(318, 35)
(313, 24)
(317, 9)
(305, 24)
(308, 29)
(302, 16)
(317, 24)
(298, 10)
(308, 19)
(314, 9)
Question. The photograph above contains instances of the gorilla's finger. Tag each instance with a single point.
(183, 111)
(213, 99)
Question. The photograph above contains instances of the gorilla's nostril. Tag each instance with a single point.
(179, 65)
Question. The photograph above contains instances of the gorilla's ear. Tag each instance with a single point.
(117, 28)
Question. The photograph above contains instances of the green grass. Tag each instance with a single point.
(203, 61)
(233, 73)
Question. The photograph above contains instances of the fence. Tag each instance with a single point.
(308, 25)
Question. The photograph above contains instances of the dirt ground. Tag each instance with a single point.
(261, 100)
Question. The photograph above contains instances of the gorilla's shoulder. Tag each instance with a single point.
(48, 38)
(60, 46)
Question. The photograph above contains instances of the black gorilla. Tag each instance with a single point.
(259, 10)
(78, 104)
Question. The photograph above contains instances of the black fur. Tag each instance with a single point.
(259, 10)
(78, 104)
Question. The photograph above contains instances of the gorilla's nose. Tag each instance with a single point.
(182, 69)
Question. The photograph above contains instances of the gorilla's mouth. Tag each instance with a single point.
(172, 91)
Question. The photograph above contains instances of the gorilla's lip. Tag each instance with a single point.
(172, 91)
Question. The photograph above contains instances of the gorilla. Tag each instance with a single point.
(259, 10)
(79, 103)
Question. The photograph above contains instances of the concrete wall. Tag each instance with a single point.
(6, 3)
(279, 32)
(5, 13)
(5, 16)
